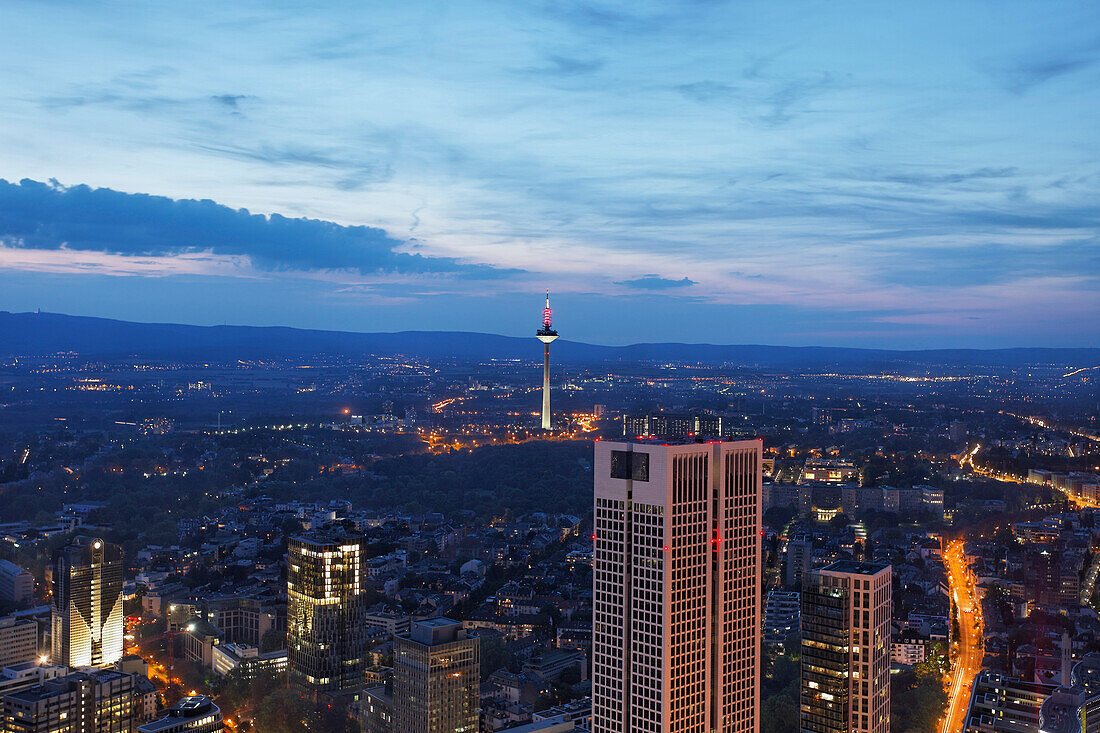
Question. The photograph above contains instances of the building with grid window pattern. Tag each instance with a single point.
(846, 608)
(326, 637)
(436, 678)
(676, 583)
(98, 701)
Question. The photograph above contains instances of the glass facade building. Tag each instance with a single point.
(326, 637)
(846, 611)
(87, 617)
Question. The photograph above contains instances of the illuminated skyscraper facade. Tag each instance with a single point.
(326, 637)
(846, 609)
(676, 582)
(87, 618)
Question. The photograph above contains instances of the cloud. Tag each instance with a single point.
(232, 101)
(40, 216)
(706, 91)
(656, 282)
(794, 94)
(567, 66)
(946, 179)
(1025, 73)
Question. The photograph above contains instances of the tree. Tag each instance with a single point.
(779, 714)
(273, 640)
(494, 655)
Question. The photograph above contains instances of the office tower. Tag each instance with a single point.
(436, 677)
(676, 582)
(546, 334)
(100, 701)
(87, 604)
(193, 714)
(846, 609)
(18, 641)
(16, 584)
(326, 638)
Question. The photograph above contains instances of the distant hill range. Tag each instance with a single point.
(43, 333)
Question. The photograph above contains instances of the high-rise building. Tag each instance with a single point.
(18, 641)
(326, 636)
(102, 701)
(16, 584)
(546, 335)
(676, 582)
(193, 714)
(87, 604)
(436, 678)
(846, 608)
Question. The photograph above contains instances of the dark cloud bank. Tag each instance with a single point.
(36, 215)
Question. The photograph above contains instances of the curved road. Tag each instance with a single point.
(967, 654)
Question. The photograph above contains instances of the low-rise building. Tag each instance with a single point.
(224, 658)
(194, 714)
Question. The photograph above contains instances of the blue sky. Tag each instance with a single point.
(871, 174)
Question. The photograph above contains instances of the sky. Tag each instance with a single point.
(897, 175)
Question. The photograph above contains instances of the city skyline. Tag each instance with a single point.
(919, 178)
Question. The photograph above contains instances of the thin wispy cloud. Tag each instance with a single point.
(778, 161)
(656, 282)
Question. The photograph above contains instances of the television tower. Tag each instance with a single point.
(546, 334)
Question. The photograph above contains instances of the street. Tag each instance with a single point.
(967, 653)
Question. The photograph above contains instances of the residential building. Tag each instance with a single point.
(676, 586)
(1003, 704)
(87, 604)
(908, 647)
(374, 709)
(436, 678)
(846, 611)
(781, 616)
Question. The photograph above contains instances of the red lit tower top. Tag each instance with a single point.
(547, 329)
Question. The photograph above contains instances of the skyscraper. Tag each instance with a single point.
(846, 609)
(326, 636)
(437, 674)
(676, 582)
(546, 334)
(87, 604)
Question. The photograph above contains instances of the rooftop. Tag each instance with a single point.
(855, 567)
